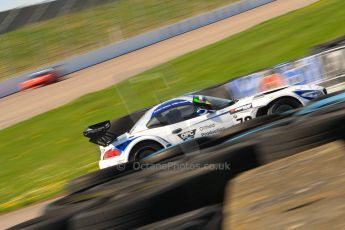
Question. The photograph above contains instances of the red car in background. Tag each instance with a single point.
(40, 78)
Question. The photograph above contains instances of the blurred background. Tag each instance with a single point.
(49, 31)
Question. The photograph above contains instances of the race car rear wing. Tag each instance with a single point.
(99, 134)
(106, 132)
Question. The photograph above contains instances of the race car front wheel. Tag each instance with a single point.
(283, 105)
(144, 149)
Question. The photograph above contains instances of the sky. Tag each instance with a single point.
(10, 4)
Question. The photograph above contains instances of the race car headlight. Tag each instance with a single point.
(309, 94)
(111, 153)
(312, 95)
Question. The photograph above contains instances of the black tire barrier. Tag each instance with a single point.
(74, 203)
(141, 204)
(98, 177)
(304, 134)
(98, 194)
(83, 199)
(45, 222)
(239, 157)
(206, 218)
(156, 199)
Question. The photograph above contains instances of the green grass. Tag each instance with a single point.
(50, 41)
(40, 155)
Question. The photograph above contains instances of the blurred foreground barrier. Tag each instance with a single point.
(172, 191)
(152, 195)
(305, 191)
(208, 217)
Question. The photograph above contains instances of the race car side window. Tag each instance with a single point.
(173, 115)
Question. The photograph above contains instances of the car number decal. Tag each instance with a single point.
(241, 120)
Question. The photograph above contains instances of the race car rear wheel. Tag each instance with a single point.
(144, 149)
(283, 105)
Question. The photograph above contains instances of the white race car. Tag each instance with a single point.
(191, 116)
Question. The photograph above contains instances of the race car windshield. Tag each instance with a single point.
(213, 102)
(173, 115)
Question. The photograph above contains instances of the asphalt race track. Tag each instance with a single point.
(15, 108)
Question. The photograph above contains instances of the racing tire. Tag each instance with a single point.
(283, 105)
(144, 149)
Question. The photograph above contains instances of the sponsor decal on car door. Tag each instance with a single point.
(187, 135)
(211, 123)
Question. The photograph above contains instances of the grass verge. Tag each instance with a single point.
(40, 155)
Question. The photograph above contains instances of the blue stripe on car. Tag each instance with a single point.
(124, 145)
